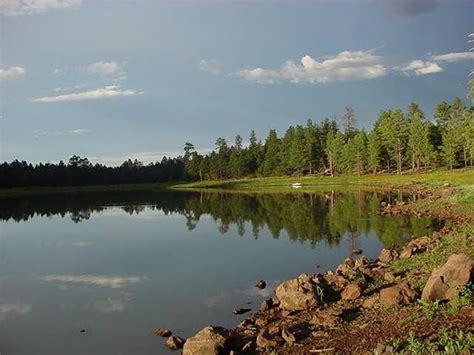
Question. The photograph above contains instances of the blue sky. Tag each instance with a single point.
(116, 79)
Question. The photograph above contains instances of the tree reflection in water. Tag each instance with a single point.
(306, 217)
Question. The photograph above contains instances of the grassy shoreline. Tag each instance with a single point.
(463, 178)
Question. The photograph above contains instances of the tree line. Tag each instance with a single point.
(399, 140)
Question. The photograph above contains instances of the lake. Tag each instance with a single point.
(118, 265)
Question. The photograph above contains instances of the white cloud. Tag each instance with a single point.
(12, 73)
(347, 65)
(101, 93)
(209, 66)
(419, 67)
(79, 131)
(105, 68)
(29, 7)
(96, 280)
(453, 57)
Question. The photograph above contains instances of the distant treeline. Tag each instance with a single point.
(399, 140)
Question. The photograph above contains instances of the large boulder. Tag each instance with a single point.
(398, 295)
(208, 341)
(298, 294)
(445, 281)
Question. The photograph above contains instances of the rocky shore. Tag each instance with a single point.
(418, 295)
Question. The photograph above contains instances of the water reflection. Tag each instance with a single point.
(121, 264)
(307, 217)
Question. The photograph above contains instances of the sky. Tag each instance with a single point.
(111, 80)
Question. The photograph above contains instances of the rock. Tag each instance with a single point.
(357, 251)
(411, 249)
(346, 269)
(261, 322)
(287, 336)
(267, 304)
(349, 262)
(389, 276)
(264, 340)
(174, 342)
(388, 255)
(446, 184)
(446, 192)
(398, 295)
(261, 284)
(163, 332)
(208, 341)
(335, 279)
(351, 292)
(362, 261)
(327, 318)
(445, 281)
(383, 203)
(241, 310)
(298, 294)
(369, 302)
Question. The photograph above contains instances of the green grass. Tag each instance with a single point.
(462, 177)
(446, 342)
(461, 241)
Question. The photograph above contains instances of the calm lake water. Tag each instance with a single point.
(121, 264)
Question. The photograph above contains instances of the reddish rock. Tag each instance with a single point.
(388, 255)
(209, 341)
(162, 332)
(445, 281)
(298, 294)
(351, 292)
(398, 295)
(174, 342)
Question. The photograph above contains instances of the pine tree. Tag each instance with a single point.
(334, 150)
(360, 147)
(271, 160)
(418, 141)
(373, 152)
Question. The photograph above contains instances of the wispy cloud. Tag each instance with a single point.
(12, 73)
(110, 69)
(29, 7)
(111, 305)
(13, 308)
(104, 68)
(96, 280)
(453, 57)
(101, 93)
(209, 66)
(419, 67)
(72, 132)
(144, 157)
(346, 65)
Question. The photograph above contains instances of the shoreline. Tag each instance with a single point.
(369, 306)
(407, 180)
